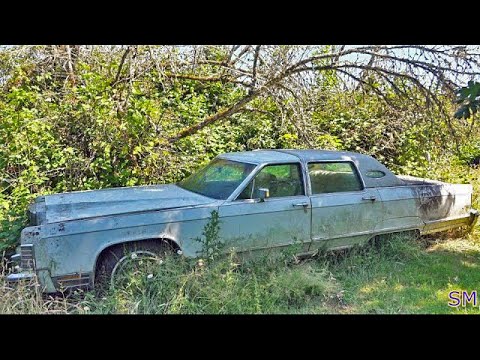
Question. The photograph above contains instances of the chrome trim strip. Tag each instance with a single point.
(20, 276)
(16, 258)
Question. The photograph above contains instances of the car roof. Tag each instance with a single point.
(260, 156)
(364, 163)
(287, 155)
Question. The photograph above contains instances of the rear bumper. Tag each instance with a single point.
(469, 220)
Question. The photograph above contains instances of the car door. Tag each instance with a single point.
(344, 212)
(282, 219)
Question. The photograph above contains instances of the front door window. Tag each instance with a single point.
(281, 180)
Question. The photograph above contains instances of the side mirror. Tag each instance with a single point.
(263, 193)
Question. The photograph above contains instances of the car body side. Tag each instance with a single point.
(65, 252)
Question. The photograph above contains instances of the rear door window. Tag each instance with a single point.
(331, 177)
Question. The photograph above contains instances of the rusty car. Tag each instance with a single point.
(265, 199)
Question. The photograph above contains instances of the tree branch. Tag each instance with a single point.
(213, 118)
(254, 67)
(119, 71)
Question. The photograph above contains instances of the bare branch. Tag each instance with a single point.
(119, 71)
(254, 68)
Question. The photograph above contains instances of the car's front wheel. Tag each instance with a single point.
(119, 264)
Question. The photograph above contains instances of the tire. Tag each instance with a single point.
(112, 259)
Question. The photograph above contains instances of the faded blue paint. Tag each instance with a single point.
(115, 201)
(329, 212)
(70, 230)
(249, 224)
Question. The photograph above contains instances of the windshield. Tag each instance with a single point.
(218, 179)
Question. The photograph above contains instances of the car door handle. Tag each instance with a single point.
(304, 204)
(371, 198)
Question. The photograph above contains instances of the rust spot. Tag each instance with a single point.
(431, 203)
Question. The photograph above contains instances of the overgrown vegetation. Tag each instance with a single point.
(79, 117)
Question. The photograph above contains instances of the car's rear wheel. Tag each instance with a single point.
(119, 264)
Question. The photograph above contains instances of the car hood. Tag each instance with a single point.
(95, 203)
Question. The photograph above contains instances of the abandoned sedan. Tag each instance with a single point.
(265, 199)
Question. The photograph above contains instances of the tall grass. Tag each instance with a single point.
(26, 298)
(399, 274)
(221, 285)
